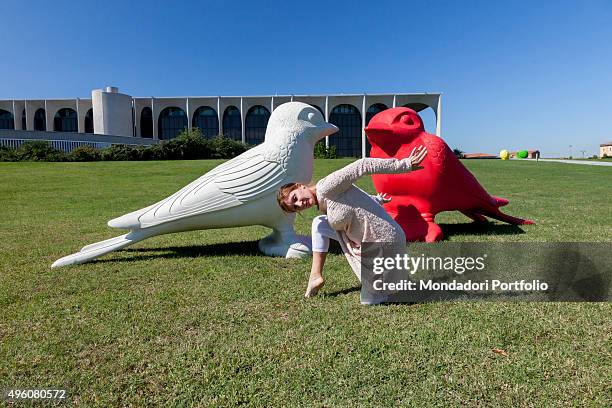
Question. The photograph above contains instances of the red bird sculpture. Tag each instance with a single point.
(444, 184)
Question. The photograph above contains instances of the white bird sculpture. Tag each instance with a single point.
(239, 192)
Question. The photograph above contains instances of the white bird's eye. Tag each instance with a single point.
(311, 116)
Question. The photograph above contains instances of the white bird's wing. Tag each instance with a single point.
(230, 184)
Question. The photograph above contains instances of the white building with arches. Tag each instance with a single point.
(244, 118)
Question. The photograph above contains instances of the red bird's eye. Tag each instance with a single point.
(407, 120)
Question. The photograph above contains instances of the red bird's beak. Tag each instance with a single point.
(378, 128)
(378, 131)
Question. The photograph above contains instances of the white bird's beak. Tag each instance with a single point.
(329, 129)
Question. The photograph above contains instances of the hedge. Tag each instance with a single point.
(188, 145)
(323, 152)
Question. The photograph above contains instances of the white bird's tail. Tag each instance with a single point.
(92, 251)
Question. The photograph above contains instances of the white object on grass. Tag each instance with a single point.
(239, 192)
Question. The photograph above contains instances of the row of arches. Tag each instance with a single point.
(173, 120)
(347, 118)
(64, 120)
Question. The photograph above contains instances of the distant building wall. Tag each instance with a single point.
(605, 150)
(531, 154)
(242, 118)
(67, 141)
(112, 112)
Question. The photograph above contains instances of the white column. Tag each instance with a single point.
(363, 124)
(154, 119)
(291, 98)
(327, 119)
(219, 115)
(48, 123)
(79, 125)
(394, 96)
(188, 115)
(272, 105)
(439, 117)
(242, 122)
(25, 106)
(15, 122)
(135, 127)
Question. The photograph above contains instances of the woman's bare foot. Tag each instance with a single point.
(314, 284)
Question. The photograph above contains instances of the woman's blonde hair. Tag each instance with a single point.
(283, 193)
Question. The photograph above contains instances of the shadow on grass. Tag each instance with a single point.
(480, 228)
(247, 248)
(250, 248)
(343, 291)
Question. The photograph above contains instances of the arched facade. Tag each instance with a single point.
(6, 120)
(66, 120)
(172, 121)
(348, 139)
(206, 119)
(427, 114)
(373, 110)
(232, 123)
(146, 122)
(415, 106)
(370, 113)
(239, 117)
(255, 124)
(89, 127)
(40, 120)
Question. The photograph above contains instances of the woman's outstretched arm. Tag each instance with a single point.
(341, 180)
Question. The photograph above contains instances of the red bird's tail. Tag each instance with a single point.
(496, 202)
(499, 202)
(498, 215)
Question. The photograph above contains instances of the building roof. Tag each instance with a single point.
(245, 96)
(605, 144)
(479, 156)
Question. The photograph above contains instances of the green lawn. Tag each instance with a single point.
(201, 319)
(602, 159)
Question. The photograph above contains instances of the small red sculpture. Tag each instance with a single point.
(444, 184)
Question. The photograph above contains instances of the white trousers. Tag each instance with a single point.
(321, 234)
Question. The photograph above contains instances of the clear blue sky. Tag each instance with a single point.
(534, 74)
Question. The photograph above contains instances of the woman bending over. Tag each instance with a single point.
(352, 216)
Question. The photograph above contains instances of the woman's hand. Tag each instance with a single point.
(416, 157)
(382, 198)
